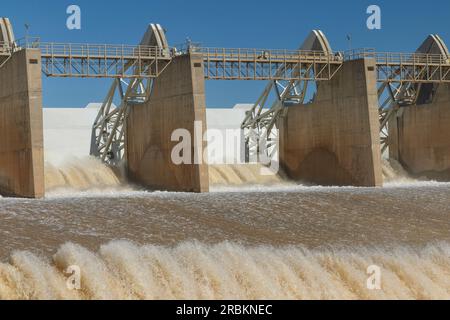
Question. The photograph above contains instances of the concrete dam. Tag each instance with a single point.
(325, 117)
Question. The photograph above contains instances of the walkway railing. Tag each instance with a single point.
(5, 48)
(406, 67)
(99, 60)
(396, 58)
(135, 61)
(265, 64)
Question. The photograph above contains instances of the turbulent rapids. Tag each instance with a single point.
(287, 241)
(122, 270)
(242, 174)
(91, 174)
(393, 172)
(80, 174)
(115, 230)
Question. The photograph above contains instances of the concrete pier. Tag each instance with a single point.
(419, 133)
(419, 137)
(335, 139)
(177, 102)
(21, 147)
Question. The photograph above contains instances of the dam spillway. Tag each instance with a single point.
(365, 102)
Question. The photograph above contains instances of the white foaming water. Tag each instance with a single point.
(395, 175)
(122, 270)
(196, 270)
(247, 178)
(82, 176)
(89, 177)
(242, 174)
(393, 172)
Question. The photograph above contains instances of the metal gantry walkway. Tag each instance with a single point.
(82, 60)
(5, 52)
(395, 67)
(264, 64)
(109, 61)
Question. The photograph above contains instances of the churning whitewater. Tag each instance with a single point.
(122, 270)
(90, 174)
(285, 241)
(79, 174)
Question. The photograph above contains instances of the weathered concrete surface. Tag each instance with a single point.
(419, 137)
(335, 139)
(177, 101)
(419, 134)
(21, 146)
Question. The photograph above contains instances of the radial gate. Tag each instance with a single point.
(403, 80)
(261, 140)
(108, 132)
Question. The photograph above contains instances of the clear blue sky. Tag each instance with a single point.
(227, 23)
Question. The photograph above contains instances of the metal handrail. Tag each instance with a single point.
(94, 50)
(6, 47)
(397, 58)
(139, 51)
(151, 52)
(265, 54)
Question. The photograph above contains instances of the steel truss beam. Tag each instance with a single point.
(109, 61)
(109, 130)
(260, 64)
(289, 85)
(99, 60)
(403, 76)
(419, 67)
(414, 73)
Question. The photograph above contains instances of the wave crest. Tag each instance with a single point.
(123, 270)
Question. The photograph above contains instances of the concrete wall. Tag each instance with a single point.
(419, 138)
(178, 99)
(21, 146)
(335, 139)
